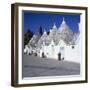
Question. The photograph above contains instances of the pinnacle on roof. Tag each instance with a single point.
(54, 26)
(44, 31)
(52, 42)
(63, 22)
(50, 30)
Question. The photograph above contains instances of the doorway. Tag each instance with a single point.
(59, 56)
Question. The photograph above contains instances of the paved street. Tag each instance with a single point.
(36, 66)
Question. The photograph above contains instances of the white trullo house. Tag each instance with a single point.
(61, 43)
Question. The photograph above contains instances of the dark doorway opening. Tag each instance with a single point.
(43, 56)
(59, 56)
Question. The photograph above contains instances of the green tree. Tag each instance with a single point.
(27, 36)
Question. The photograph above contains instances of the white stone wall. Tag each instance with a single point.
(73, 55)
(67, 52)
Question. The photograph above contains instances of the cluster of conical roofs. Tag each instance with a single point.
(56, 34)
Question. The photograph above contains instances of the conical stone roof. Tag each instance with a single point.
(65, 32)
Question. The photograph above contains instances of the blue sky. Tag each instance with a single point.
(33, 20)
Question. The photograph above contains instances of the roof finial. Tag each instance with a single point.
(44, 31)
(63, 20)
(50, 30)
(54, 26)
